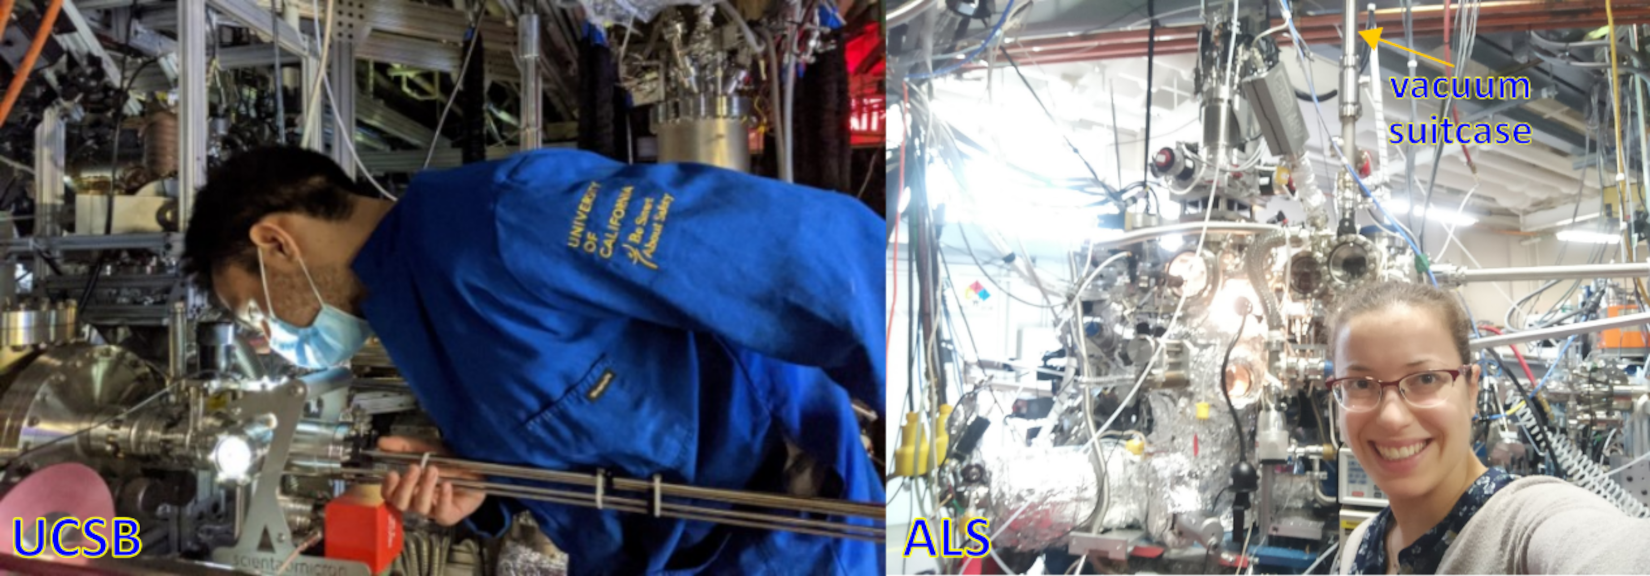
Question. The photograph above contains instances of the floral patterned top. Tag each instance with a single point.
(1425, 554)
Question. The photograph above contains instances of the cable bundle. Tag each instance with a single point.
(1578, 469)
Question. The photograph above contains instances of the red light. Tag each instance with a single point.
(867, 110)
(866, 117)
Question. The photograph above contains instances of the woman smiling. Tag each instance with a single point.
(1407, 391)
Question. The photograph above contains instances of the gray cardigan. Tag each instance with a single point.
(1538, 525)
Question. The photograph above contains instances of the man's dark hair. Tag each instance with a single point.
(250, 186)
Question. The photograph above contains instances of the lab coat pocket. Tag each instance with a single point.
(606, 421)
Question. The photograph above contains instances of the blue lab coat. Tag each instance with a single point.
(564, 311)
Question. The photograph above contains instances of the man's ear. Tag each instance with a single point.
(273, 241)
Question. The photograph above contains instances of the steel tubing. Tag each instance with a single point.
(819, 505)
(1585, 272)
(1560, 331)
(666, 509)
(1144, 234)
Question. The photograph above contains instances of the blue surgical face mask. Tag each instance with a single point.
(330, 341)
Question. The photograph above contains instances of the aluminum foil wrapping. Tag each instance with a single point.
(1056, 487)
(1125, 484)
(526, 551)
(1190, 460)
(1292, 491)
(517, 559)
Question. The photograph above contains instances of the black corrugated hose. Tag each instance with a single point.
(822, 127)
(598, 95)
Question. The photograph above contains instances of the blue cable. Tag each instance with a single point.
(1554, 367)
(1586, 295)
(972, 54)
(1299, 46)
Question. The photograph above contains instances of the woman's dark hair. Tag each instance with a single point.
(250, 186)
(1383, 295)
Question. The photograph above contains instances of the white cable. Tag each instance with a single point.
(1326, 554)
(1468, 253)
(458, 86)
(348, 136)
(732, 14)
(1243, 556)
(1077, 567)
(1624, 467)
(312, 105)
(322, 83)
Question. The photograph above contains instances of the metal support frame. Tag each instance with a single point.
(48, 181)
(263, 510)
(179, 329)
(414, 52)
(435, 23)
(532, 92)
(48, 172)
(252, 56)
(83, 40)
(192, 105)
(312, 124)
(407, 161)
(135, 35)
(341, 78)
(256, 17)
(374, 113)
(161, 242)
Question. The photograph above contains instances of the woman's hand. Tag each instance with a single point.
(421, 490)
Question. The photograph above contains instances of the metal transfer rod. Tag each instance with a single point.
(1583, 271)
(820, 505)
(666, 509)
(1145, 234)
(1560, 331)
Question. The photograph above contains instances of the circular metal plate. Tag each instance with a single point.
(1353, 261)
(1306, 275)
(64, 390)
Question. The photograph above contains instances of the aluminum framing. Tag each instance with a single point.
(192, 104)
(532, 91)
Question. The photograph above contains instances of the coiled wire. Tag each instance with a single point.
(1578, 469)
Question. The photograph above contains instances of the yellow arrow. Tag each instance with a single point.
(1373, 37)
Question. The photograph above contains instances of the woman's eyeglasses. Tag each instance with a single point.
(1421, 389)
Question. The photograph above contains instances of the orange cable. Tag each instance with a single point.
(39, 44)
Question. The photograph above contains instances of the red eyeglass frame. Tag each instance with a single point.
(1454, 374)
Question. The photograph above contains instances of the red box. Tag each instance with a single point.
(361, 528)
